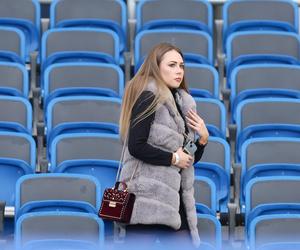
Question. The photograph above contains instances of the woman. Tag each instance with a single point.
(158, 117)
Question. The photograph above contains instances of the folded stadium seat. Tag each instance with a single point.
(215, 165)
(56, 229)
(213, 112)
(274, 232)
(79, 44)
(43, 192)
(17, 158)
(69, 114)
(203, 80)
(248, 47)
(197, 46)
(274, 15)
(279, 210)
(26, 17)
(263, 80)
(15, 114)
(12, 45)
(210, 232)
(83, 148)
(98, 79)
(109, 14)
(267, 117)
(269, 156)
(13, 79)
(205, 195)
(195, 15)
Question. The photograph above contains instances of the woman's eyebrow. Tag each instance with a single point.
(176, 62)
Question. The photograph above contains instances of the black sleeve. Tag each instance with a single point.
(139, 133)
(199, 151)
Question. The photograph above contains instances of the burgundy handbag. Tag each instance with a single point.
(117, 204)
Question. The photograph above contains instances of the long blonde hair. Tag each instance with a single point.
(148, 71)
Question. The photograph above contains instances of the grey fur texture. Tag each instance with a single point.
(157, 187)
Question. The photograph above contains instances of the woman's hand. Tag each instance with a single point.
(185, 160)
(195, 122)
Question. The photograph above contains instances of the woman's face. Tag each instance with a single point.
(172, 68)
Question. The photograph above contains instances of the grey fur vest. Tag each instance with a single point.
(157, 187)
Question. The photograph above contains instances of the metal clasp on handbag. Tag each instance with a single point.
(112, 204)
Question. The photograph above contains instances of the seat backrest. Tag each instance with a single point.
(270, 150)
(63, 110)
(209, 229)
(12, 41)
(203, 80)
(32, 189)
(274, 229)
(66, 77)
(205, 192)
(85, 146)
(28, 10)
(191, 42)
(13, 79)
(259, 76)
(260, 191)
(91, 40)
(112, 10)
(262, 42)
(213, 112)
(17, 158)
(240, 11)
(18, 146)
(217, 151)
(15, 114)
(268, 111)
(59, 226)
(195, 10)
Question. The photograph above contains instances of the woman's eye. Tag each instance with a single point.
(172, 65)
(182, 66)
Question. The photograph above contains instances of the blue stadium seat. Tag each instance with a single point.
(17, 158)
(269, 156)
(274, 15)
(260, 118)
(97, 79)
(15, 114)
(195, 15)
(197, 46)
(69, 149)
(49, 228)
(202, 79)
(210, 232)
(79, 44)
(108, 14)
(263, 80)
(282, 230)
(43, 192)
(205, 195)
(215, 165)
(248, 47)
(26, 17)
(213, 112)
(14, 79)
(12, 45)
(69, 114)
(261, 199)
